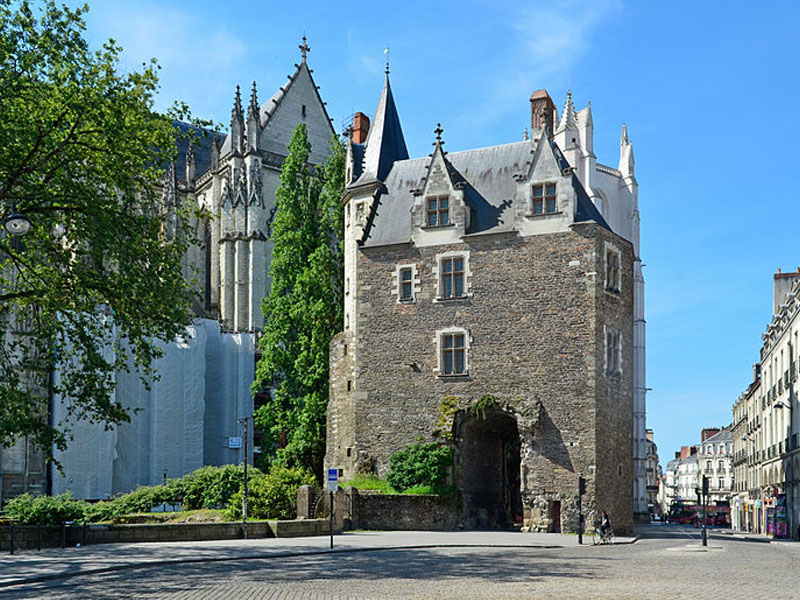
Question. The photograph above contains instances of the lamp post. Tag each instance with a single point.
(244, 422)
(16, 224)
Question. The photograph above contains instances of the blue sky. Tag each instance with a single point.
(707, 90)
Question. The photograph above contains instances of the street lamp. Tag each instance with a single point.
(16, 224)
(244, 421)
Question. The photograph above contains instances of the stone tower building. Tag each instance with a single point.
(490, 304)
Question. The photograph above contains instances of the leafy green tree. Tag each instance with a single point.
(304, 309)
(99, 276)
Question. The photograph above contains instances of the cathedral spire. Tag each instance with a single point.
(237, 105)
(237, 123)
(253, 109)
(627, 165)
(568, 119)
(385, 141)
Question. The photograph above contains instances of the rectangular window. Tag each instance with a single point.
(453, 360)
(544, 198)
(406, 284)
(438, 211)
(612, 270)
(613, 362)
(708, 465)
(452, 277)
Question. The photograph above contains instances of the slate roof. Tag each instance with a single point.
(385, 143)
(490, 185)
(202, 149)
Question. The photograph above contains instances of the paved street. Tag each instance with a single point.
(665, 563)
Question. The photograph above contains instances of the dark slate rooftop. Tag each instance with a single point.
(385, 143)
(202, 149)
(490, 185)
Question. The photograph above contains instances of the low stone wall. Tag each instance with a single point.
(372, 510)
(31, 536)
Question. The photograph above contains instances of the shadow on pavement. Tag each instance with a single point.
(400, 564)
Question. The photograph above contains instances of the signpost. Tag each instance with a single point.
(333, 486)
(581, 492)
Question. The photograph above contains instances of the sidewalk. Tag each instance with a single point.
(755, 537)
(57, 563)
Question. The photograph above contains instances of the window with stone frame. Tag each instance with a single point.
(543, 198)
(405, 282)
(613, 351)
(613, 278)
(452, 277)
(453, 352)
(437, 211)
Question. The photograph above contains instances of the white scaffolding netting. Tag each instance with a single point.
(184, 421)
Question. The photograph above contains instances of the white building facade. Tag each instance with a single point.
(767, 448)
(715, 461)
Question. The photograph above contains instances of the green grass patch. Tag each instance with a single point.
(368, 482)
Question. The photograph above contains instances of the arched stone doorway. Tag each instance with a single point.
(488, 469)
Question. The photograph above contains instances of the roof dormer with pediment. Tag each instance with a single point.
(441, 213)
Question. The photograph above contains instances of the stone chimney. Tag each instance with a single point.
(360, 128)
(542, 111)
(782, 285)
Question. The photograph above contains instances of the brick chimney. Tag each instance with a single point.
(360, 128)
(708, 432)
(542, 111)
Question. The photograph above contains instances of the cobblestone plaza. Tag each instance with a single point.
(665, 562)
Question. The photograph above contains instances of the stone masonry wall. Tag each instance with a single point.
(535, 318)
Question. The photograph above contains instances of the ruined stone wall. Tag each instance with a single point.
(534, 315)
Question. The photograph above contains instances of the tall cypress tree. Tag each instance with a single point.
(304, 309)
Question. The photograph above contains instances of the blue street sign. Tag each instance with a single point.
(333, 480)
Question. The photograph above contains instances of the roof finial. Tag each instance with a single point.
(253, 98)
(438, 131)
(525, 134)
(304, 48)
(386, 52)
(237, 103)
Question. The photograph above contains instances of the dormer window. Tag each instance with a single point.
(544, 198)
(438, 211)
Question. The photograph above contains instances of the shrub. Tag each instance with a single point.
(420, 465)
(271, 495)
(213, 487)
(46, 510)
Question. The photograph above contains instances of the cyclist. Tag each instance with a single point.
(605, 524)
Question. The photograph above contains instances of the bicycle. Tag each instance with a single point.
(602, 537)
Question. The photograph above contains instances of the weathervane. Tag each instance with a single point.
(386, 52)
